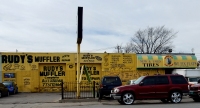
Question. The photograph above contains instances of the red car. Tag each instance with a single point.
(195, 92)
(163, 87)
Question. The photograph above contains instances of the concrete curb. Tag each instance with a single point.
(103, 100)
(85, 100)
(79, 100)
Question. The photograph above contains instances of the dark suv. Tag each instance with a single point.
(107, 84)
(163, 87)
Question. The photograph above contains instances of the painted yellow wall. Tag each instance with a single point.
(43, 72)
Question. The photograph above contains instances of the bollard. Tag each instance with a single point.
(62, 90)
(93, 89)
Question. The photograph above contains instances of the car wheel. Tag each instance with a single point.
(176, 97)
(8, 93)
(165, 100)
(14, 92)
(196, 99)
(97, 94)
(17, 91)
(127, 98)
(100, 95)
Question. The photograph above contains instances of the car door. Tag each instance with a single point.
(146, 88)
(162, 86)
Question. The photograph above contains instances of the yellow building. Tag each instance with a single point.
(43, 72)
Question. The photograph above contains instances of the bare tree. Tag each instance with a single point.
(128, 48)
(151, 40)
(198, 63)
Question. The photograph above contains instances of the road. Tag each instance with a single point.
(50, 100)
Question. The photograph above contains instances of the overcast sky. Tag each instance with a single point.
(51, 25)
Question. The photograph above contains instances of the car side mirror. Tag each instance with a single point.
(141, 83)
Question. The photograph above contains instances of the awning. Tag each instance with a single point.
(149, 57)
(166, 61)
(184, 61)
(184, 57)
(149, 61)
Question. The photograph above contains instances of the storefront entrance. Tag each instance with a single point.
(51, 76)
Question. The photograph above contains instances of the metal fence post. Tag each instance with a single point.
(93, 89)
(62, 90)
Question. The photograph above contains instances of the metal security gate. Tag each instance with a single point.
(87, 90)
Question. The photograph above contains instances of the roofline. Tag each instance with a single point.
(169, 53)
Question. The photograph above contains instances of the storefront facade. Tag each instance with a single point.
(43, 72)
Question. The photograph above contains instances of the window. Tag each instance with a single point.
(162, 80)
(9, 75)
(193, 79)
(149, 81)
(111, 80)
(139, 80)
(178, 80)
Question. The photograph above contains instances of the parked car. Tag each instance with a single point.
(12, 87)
(163, 87)
(3, 90)
(107, 84)
(194, 92)
(130, 82)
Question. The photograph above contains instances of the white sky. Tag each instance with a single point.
(50, 25)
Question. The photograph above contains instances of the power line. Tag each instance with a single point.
(99, 49)
(118, 48)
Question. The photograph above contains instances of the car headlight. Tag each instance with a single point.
(116, 90)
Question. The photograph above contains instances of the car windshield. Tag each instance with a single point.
(112, 80)
(139, 80)
(193, 79)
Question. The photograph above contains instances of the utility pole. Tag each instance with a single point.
(79, 40)
(118, 48)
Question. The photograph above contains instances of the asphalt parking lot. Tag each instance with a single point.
(31, 98)
(24, 98)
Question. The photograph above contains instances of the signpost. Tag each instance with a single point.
(79, 40)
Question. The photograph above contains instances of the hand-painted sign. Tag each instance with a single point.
(149, 61)
(168, 60)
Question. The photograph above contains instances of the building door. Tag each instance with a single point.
(51, 76)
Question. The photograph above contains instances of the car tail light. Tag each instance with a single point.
(189, 86)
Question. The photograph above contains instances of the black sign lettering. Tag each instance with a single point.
(151, 64)
(27, 81)
(51, 84)
(29, 58)
(13, 58)
(90, 58)
(52, 71)
(47, 59)
(93, 72)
